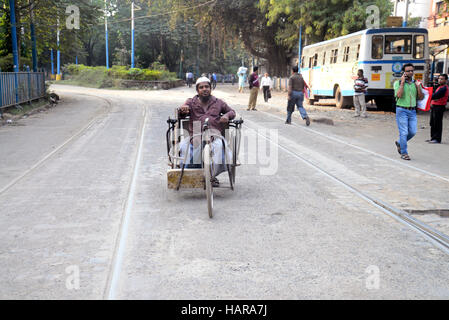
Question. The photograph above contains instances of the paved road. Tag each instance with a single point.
(80, 200)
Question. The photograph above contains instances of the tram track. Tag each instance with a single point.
(439, 239)
(68, 141)
(110, 292)
(333, 138)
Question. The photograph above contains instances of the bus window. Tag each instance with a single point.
(302, 62)
(398, 44)
(377, 50)
(310, 62)
(315, 60)
(334, 55)
(418, 47)
(346, 55)
(324, 58)
(358, 52)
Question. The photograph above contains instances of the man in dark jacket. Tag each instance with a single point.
(437, 108)
(254, 85)
(296, 86)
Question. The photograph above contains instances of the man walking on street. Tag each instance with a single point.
(437, 108)
(296, 85)
(266, 84)
(360, 85)
(254, 85)
(189, 76)
(406, 91)
(214, 81)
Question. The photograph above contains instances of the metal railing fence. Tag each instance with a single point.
(20, 87)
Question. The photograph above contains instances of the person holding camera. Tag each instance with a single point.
(406, 91)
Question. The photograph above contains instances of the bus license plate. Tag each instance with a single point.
(375, 77)
(418, 76)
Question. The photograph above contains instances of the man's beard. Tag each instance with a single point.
(204, 98)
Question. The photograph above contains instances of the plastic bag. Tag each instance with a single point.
(424, 104)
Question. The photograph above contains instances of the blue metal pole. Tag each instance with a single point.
(59, 62)
(107, 50)
(33, 39)
(15, 52)
(52, 63)
(76, 60)
(404, 23)
(300, 48)
(132, 35)
(59, 53)
(106, 34)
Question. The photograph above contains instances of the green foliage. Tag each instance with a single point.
(100, 77)
(7, 63)
(321, 19)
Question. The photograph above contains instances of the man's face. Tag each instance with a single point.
(360, 74)
(409, 72)
(442, 80)
(204, 90)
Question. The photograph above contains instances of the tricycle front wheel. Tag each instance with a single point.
(208, 176)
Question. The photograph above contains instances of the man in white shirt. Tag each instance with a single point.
(266, 85)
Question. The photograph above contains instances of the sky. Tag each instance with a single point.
(418, 8)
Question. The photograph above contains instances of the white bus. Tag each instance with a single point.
(330, 67)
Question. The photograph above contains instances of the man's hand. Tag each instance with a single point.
(224, 119)
(403, 79)
(184, 109)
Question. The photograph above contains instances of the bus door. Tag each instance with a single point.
(313, 63)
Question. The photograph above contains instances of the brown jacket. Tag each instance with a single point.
(215, 110)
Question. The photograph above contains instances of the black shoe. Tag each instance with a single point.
(398, 146)
(434, 141)
(307, 121)
(287, 122)
(215, 183)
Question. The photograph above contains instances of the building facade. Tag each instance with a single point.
(438, 26)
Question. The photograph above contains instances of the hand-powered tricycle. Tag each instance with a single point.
(183, 172)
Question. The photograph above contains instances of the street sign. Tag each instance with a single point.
(394, 22)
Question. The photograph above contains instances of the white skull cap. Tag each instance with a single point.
(202, 79)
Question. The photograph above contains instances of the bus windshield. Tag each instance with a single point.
(418, 50)
(398, 44)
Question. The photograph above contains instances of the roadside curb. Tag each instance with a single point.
(9, 119)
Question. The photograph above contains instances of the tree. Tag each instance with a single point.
(321, 19)
(47, 13)
(227, 22)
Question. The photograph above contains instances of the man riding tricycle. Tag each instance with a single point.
(202, 141)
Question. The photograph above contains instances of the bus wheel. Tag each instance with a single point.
(340, 100)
